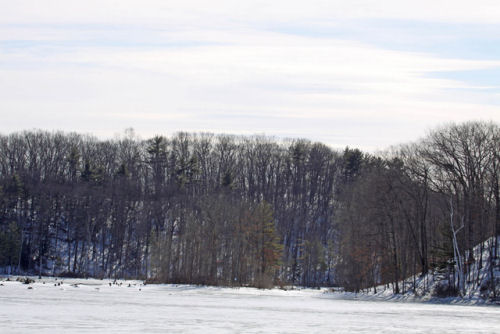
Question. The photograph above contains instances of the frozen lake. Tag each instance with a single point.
(96, 307)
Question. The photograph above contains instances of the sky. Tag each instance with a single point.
(356, 73)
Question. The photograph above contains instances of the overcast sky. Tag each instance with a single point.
(361, 73)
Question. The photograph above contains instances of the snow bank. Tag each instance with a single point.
(106, 306)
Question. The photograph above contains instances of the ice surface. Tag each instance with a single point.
(96, 307)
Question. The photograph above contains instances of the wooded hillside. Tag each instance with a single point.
(227, 210)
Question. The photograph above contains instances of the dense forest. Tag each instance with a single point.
(229, 210)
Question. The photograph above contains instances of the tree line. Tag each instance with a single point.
(231, 210)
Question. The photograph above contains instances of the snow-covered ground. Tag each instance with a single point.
(96, 307)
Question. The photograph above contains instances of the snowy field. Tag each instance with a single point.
(94, 306)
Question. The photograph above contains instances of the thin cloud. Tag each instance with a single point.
(190, 13)
(159, 66)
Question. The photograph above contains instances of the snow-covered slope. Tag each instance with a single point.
(478, 289)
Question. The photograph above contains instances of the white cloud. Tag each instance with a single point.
(225, 12)
(212, 66)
